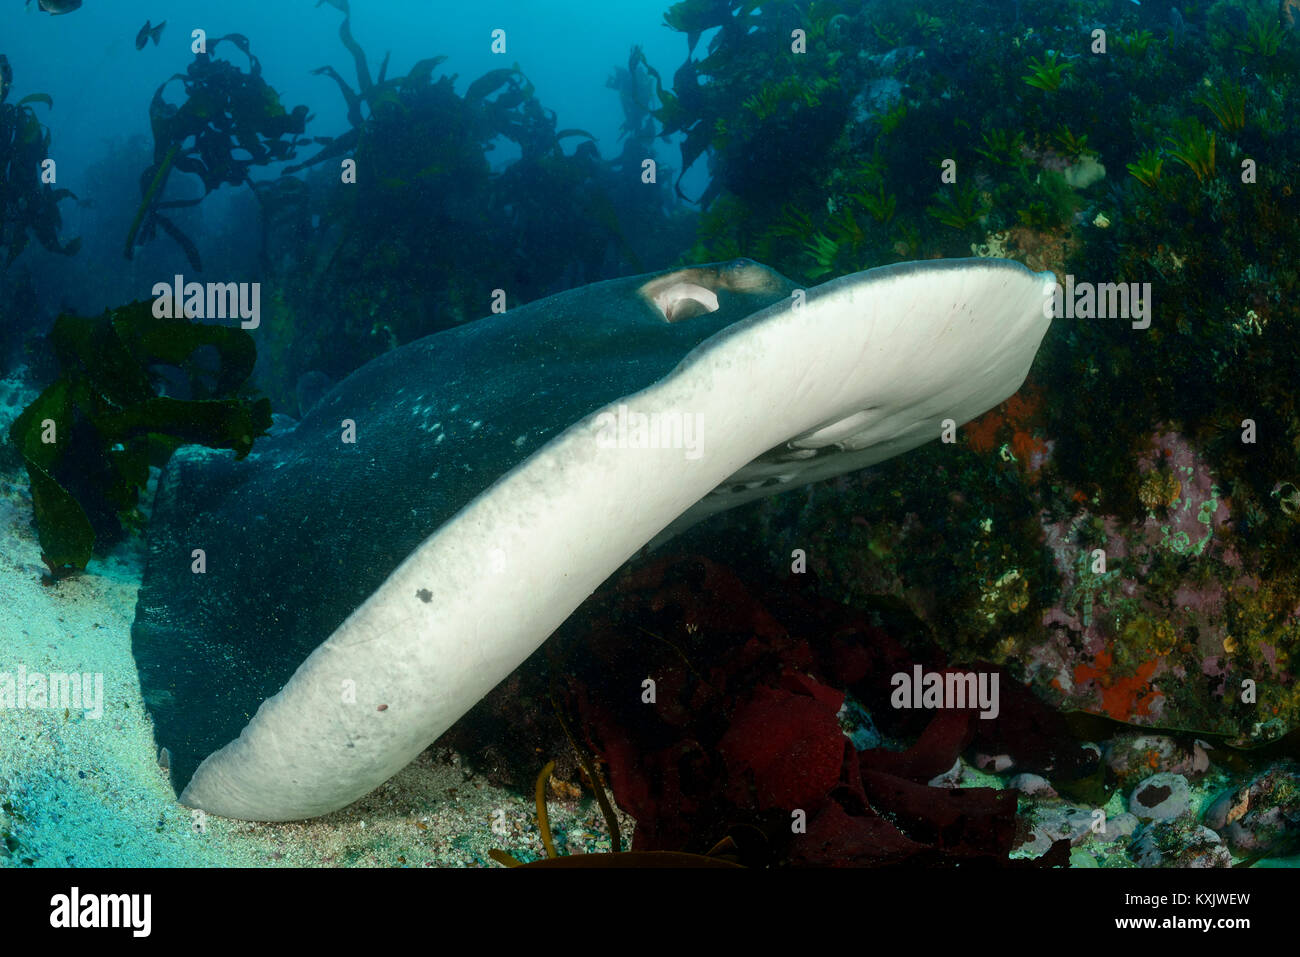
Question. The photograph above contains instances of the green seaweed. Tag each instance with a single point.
(1004, 147)
(1227, 101)
(28, 204)
(1147, 169)
(879, 203)
(1134, 44)
(1193, 146)
(1262, 37)
(89, 438)
(230, 122)
(959, 207)
(1052, 203)
(1048, 73)
(1071, 145)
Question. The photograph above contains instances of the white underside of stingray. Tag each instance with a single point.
(869, 366)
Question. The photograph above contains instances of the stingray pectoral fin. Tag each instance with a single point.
(932, 363)
(914, 344)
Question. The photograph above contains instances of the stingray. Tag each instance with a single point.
(315, 615)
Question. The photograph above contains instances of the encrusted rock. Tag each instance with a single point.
(954, 777)
(996, 763)
(1179, 844)
(1032, 784)
(1052, 821)
(1263, 815)
(1135, 756)
(1161, 797)
(1121, 825)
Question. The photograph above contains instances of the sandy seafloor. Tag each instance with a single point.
(83, 792)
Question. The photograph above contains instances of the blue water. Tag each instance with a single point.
(102, 87)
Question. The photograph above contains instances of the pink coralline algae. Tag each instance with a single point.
(1196, 513)
(1123, 627)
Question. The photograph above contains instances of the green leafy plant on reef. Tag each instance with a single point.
(1148, 168)
(823, 19)
(846, 229)
(959, 207)
(1193, 146)
(907, 241)
(793, 223)
(1053, 203)
(1048, 73)
(88, 439)
(762, 104)
(1073, 146)
(929, 27)
(1134, 45)
(824, 252)
(1263, 37)
(893, 118)
(1003, 147)
(1227, 101)
(791, 91)
(721, 133)
(879, 204)
(889, 34)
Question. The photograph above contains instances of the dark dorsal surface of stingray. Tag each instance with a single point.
(302, 531)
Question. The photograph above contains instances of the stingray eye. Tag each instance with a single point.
(683, 294)
(685, 300)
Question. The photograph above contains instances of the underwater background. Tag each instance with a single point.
(1119, 541)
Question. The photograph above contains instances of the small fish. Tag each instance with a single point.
(147, 32)
(6, 77)
(55, 7)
